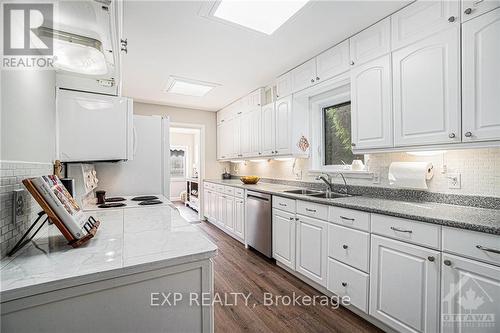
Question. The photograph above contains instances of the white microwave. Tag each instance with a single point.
(93, 127)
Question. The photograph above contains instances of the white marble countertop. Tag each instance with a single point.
(128, 241)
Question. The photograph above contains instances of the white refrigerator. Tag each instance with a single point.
(148, 173)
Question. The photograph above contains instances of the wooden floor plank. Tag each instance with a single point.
(239, 270)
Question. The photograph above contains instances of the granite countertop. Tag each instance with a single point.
(128, 241)
(464, 217)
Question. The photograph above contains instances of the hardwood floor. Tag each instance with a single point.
(238, 270)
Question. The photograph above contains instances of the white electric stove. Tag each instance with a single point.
(126, 202)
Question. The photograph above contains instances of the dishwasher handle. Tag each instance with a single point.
(259, 196)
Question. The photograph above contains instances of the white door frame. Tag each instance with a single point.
(201, 173)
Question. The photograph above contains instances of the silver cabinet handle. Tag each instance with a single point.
(311, 210)
(468, 11)
(346, 218)
(488, 249)
(401, 230)
(282, 204)
(352, 63)
(317, 78)
(344, 284)
(451, 19)
(451, 135)
(468, 134)
(430, 258)
(296, 219)
(345, 247)
(353, 144)
(447, 262)
(292, 218)
(312, 80)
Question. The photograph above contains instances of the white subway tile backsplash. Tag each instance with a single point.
(11, 176)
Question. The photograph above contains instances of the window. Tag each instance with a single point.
(337, 135)
(178, 158)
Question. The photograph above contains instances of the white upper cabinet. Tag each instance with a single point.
(255, 98)
(333, 61)
(371, 43)
(283, 112)
(284, 85)
(397, 268)
(422, 19)
(250, 133)
(426, 89)
(268, 129)
(474, 8)
(303, 76)
(481, 78)
(371, 104)
(92, 127)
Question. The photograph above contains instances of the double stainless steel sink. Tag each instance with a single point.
(318, 194)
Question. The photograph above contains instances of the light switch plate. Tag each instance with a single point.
(454, 180)
(19, 204)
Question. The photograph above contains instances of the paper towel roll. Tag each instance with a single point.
(410, 174)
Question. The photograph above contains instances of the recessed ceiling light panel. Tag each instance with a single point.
(188, 87)
(262, 16)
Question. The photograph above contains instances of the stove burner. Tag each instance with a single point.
(115, 199)
(112, 205)
(150, 202)
(144, 198)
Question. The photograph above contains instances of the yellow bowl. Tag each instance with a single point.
(250, 179)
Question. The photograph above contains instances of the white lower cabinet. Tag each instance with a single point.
(404, 285)
(311, 248)
(344, 281)
(284, 237)
(470, 296)
(239, 218)
(225, 208)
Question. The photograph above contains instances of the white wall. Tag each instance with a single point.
(213, 169)
(28, 115)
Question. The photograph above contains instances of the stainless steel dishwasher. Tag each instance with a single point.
(259, 222)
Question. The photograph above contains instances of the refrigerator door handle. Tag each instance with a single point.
(134, 138)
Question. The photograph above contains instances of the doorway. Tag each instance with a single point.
(186, 166)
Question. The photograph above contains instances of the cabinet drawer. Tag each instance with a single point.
(472, 244)
(347, 281)
(219, 188)
(421, 233)
(288, 205)
(206, 185)
(239, 192)
(210, 186)
(350, 218)
(349, 246)
(312, 209)
(229, 190)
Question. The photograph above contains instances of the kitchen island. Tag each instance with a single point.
(137, 274)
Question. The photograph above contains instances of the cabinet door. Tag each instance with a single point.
(255, 132)
(213, 206)
(268, 129)
(304, 76)
(284, 238)
(404, 285)
(283, 85)
(371, 43)
(333, 61)
(470, 290)
(284, 126)
(229, 213)
(475, 8)
(481, 78)
(311, 247)
(224, 141)
(246, 134)
(221, 210)
(236, 136)
(371, 104)
(423, 19)
(426, 88)
(239, 218)
(206, 203)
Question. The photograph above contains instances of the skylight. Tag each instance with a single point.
(188, 87)
(263, 16)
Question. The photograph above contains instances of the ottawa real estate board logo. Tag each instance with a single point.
(27, 35)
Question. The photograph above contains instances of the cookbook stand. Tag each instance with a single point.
(91, 226)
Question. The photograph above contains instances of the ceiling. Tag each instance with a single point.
(170, 38)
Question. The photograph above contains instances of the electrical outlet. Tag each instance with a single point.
(376, 178)
(19, 204)
(454, 180)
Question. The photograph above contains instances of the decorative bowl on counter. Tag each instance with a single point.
(250, 179)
